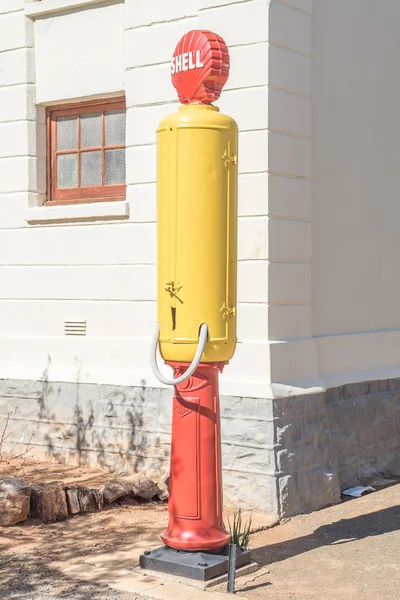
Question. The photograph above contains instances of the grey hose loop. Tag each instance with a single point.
(203, 337)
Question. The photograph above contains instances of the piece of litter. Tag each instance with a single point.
(356, 492)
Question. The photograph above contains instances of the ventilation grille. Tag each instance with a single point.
(75, 327)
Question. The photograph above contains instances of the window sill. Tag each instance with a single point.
(46, 7)
(94, 211)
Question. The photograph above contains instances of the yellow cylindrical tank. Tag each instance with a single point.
(197, 150)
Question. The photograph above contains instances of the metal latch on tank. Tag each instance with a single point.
(228, 158)
(227, 311)
(173, 287)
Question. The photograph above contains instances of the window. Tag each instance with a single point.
(86, 152)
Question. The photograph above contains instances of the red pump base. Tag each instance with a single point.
(195, 498)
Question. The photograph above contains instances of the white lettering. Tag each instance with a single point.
(186, 61)
(199, 64)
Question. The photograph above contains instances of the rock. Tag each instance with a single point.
(86, 500)
(143, 487)
(138, 486)
(98, 499)
(89, 500)
(163, 488)
(72, 500)
(48, 502)
(15, 497)
(113, 490)
(83, 499)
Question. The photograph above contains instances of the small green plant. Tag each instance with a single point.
(240, 532)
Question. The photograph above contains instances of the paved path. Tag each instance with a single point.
(350, 551)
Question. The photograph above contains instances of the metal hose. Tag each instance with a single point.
(203, 337)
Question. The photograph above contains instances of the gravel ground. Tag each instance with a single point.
(24, 580)
(347, 551)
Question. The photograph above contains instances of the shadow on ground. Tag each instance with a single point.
(341, 532)
(22, 579)
(34, 557)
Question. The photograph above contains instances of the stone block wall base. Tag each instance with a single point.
(281, 456)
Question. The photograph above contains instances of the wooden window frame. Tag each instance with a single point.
(78, 195)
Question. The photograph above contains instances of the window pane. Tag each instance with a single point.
(67, 133)
(115, 166)
(67, 170)
(90, 168)
(115, 127)
(91, 131)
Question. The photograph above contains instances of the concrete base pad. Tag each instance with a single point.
(202, 566)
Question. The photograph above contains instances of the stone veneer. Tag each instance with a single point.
(280, 456)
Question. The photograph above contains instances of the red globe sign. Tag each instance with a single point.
(200, 67)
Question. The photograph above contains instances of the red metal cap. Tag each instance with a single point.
(200, 67)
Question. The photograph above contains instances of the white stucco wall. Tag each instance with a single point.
(293, 358)
(66, 263)
(79, 53)
(318, 243)
(356, 244)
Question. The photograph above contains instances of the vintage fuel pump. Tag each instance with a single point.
(197, 158)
